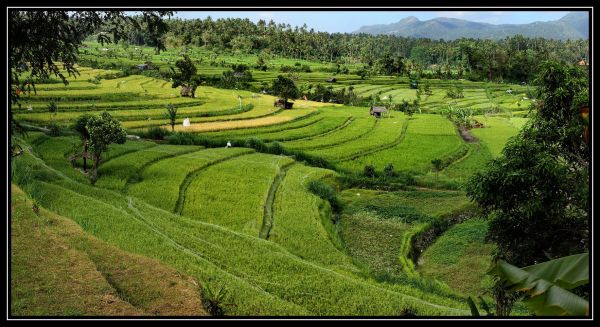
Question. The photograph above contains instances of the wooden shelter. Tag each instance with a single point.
(378, 111)
(281, 103)
(332, 80)
(146, 65)
(187, 91)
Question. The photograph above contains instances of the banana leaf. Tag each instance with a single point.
(567, 272)
(544, 284)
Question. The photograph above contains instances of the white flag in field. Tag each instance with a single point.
(186, 122)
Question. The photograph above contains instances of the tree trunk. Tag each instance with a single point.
(96, 163)
(504, 301)
(85, 149)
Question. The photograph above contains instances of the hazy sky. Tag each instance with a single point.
(349, 21)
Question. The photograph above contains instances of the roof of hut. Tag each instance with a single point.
(379, 109)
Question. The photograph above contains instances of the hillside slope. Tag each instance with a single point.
(58, 269)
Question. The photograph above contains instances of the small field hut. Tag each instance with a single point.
(281, 103)
(378, 112)
(187, 91)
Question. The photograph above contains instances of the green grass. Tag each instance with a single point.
(385, 133)
(357, 128)
(262, 276)
(476, 159)
(375, 224)
(496, 131)
(160, 182)
(124, 169)
(209, 198)
(59, 270)
(460, 258)
(300, 220)
(428, 137)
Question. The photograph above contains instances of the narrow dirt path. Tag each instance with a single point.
(466, 135)
(270, 202)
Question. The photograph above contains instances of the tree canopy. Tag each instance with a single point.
(103, 130)
(285, 88)
(536, 193)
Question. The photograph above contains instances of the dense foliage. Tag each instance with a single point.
(537, 192)
(513, 58)
(285, 88)
(103, 131)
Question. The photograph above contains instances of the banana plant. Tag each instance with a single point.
(546, 284)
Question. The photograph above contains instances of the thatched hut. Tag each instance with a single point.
(378, 111)
(281, 103)
(187, 91)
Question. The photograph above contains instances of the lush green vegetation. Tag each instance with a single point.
(246, 265)
(460, 258)
(208, 197)
(62, 270)
(317, 209)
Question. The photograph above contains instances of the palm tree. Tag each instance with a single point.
(172, 115)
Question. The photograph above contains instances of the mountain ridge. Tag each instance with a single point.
(574, 25)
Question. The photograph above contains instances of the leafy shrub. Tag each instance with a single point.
(53, 130)
(119, 74)
(95, 80)
(152, 73)
(460, 116)
(455, 92)
(369, 171)
(437, 164)
(325, 192)
(52, 107)
(257, 144)
(213, 300)
(399, 182)
(408, 312)
(276, 148)
(389, 171)
(156, 133)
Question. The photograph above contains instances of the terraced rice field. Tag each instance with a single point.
(460, 257)
(497, 131)
(280, 275)
(119, 171)
(208, 197)
(247, 220)
(140, 102)
(427, 137)
(161, 183)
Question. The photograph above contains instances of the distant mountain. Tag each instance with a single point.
(572, 26)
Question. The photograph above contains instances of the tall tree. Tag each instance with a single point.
(41, 39)
(80, 126)
(185, 76)
(536, 193)
(285, 88)
(103, 130)
(172, 115)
